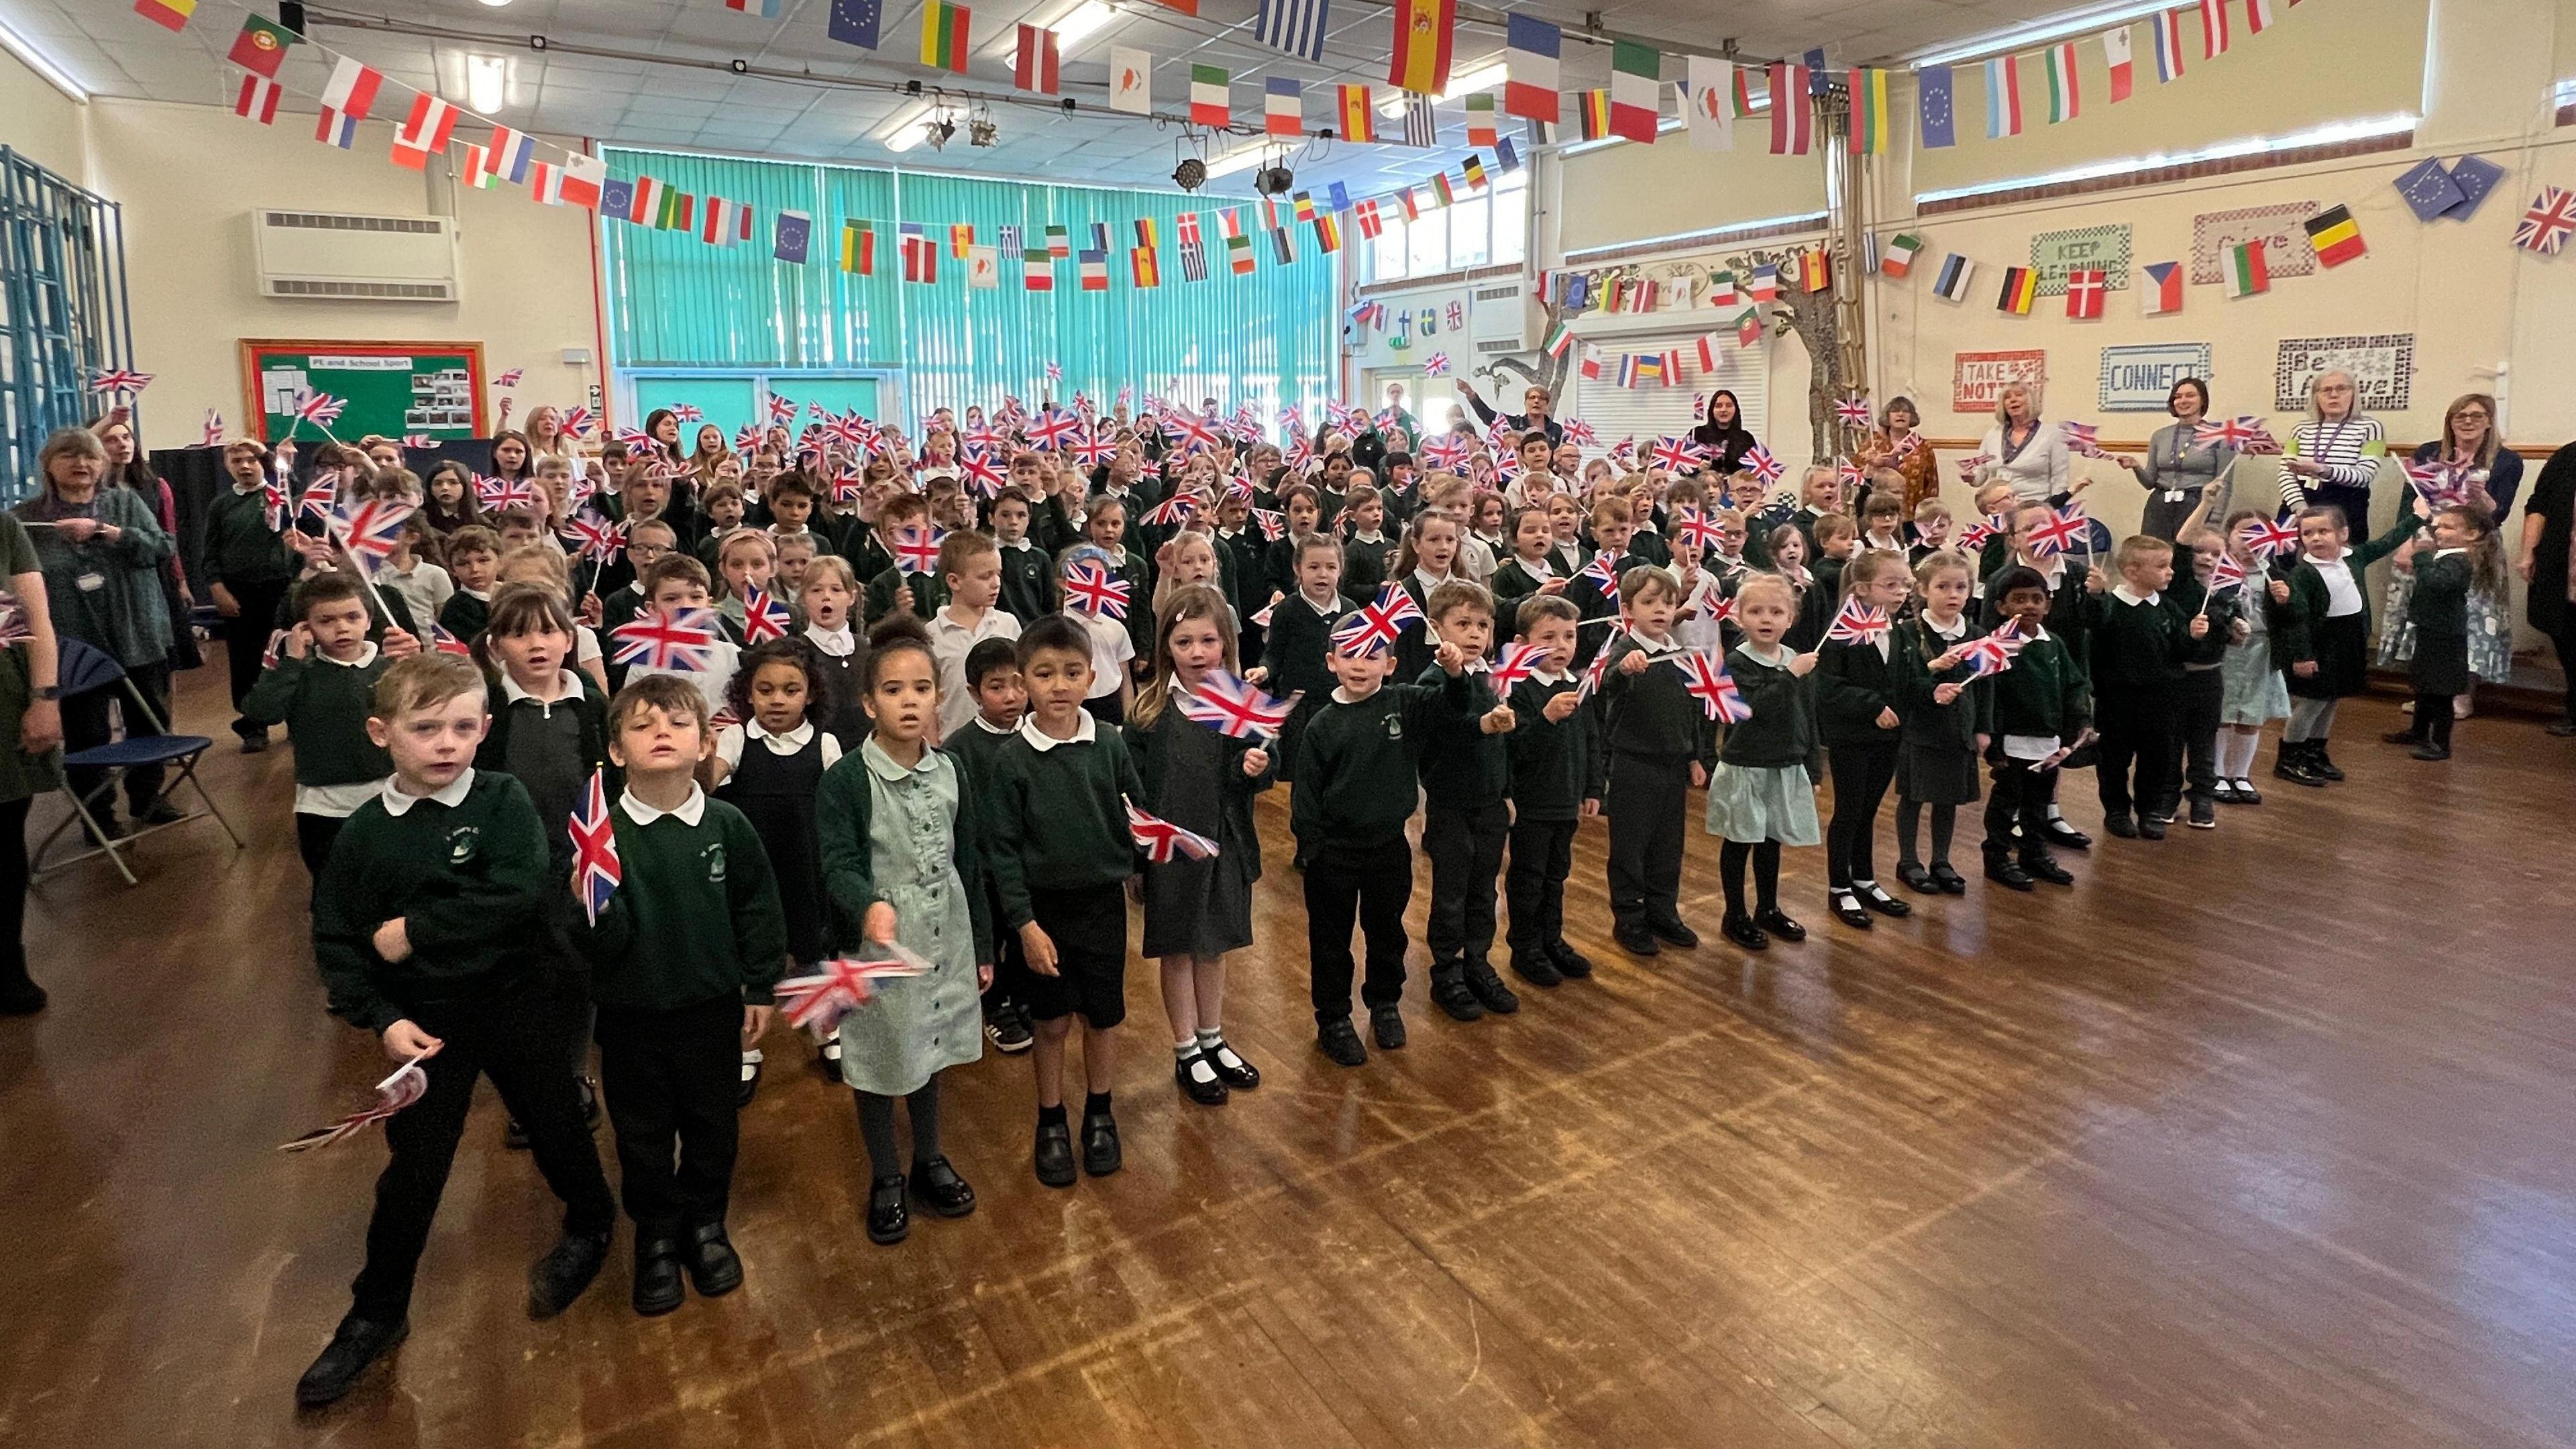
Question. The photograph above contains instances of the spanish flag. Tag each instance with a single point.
(961, 235)
(1424, 30)
(1595, 114)
(1147, 273)
(1356, 125)
(1816, 275)
(2021, 284)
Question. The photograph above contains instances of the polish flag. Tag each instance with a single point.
(353, 87)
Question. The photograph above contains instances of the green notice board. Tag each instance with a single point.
(399, 389)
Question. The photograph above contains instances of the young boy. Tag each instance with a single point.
(1060, 851)
(1357, 766)
(425, 927)
(473, 562)
(993, 681)
(1611, 529)
(892, 589)
(970, 565)
(796, 555)
(645, 542)
(2200, 691)
(322, 688)
(1370, 554)
(677, 581)
(1658, 746)
(1466, 773)
(1552, 764)
(791, 508)
(2137, 640)
(1028, 575)
(2067, 620)
(2042, 712)
(252, 572)
(682, 961)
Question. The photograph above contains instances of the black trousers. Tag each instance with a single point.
(1466, 850)
(1370, 886)
(1542, 857)
(314, 835)
(670, 1079)
(2564, 641)
(2433, 718)
(13, 889)
(2020, 797)
(1862, 771)
(2191, 756)
(516, 1038)
(1648, 802)
(246, 638)
(2137, 730)
(87, 725)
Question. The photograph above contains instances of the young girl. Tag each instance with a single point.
(1427, 559)
(831, 592)
(1296, 652)
(451, 504)
(1763, 793)
(1198, 910)
(414, 572)
(2465, 558)
(747, 560)
(1949, 721)
(776, 695)
(1565, 525)
(1813, 604)
(2253, 694)
(1104, 527)
(2323, 637)
(1188, 560)
(1857, 691)
(1529, 570)
(900, 864)
(529, 565)
(1299, 502)
(1112, 646)
(512, 459)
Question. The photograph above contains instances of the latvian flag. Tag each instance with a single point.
(257, 99)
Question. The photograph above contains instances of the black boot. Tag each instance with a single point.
(1573, 963)
(715, 1269)
(2323, 768)
(657, 1275)
(355, 1344)
(565, 1272)
(2290, 763)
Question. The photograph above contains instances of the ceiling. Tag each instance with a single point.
(672, 85)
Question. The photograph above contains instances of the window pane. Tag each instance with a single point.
(1467, 233)
(1386, 254)
(1511, 225)
(1427, 244)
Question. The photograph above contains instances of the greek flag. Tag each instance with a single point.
(1295, 26)
(1421, 127)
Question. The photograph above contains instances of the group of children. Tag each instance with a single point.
(958, 748)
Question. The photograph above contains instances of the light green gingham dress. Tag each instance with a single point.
(918, 1025)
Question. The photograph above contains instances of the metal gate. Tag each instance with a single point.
(63, 309)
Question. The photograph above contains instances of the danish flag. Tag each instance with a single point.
(1518, 663)
(1235, 707)
(596, 871)
(1763, 465)
(121, 380)
(2271, 540)
(1705, 676)
(763, 617)
(839, 986)
(682, 640)
(1091, 589)
(1162, 841)
(371, 531)
(1858, 623)
(2063, 529)
(1853, 411)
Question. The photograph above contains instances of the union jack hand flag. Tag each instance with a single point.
(847, 488)
(1261, 616)
(1858, 623)
(442, 641)
(496, 494)
(1397, 602)
(1188, 430)
(1507, 468)
(1054, 429)
(1580, 433)
(1360, 638)
(1299, 454)
(1093, 446)
(510, 378)
(782, 410)
(817, 1002)
(1091, 589)
(637, 438)
(1848, 471)
(1603, 571)
(578, 422)
(594, 538)
(1162, 841)
(2440, 483)
(121, 380)
(407, 1084)
(1447, 452)
(321, 494)
(318, 408)
(763, 616)
(2082, 438)
(1705, 676)
(687, 413)
(596, 870)
(1519, 662)
(213, 437)
(1345, 416)
(2245, 434)
(682, 640)
(2272, 539)
(1436, 365)
(1291, 420)
(1692, 530)
(2063, 530)
(1676, 455)
(746, 442)
(1992, 654)
(273, 501)
(1969, 465)
(1235, 707)
(1713, 606)
(1853, 411)
(1909, 445)
(981, 471)
(1272, 523)
(984, 436)
(370, 531)
(2229, 574)
(916, 549)
(1172, 512)
(1974, 536)
(1055, 371)
(1239, 488)
(1764, 466)
(1599, 668)
(1379, 625)
(419, 440)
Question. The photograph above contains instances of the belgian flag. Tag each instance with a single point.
(2336, 236)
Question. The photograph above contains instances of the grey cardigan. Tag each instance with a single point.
(121, 609)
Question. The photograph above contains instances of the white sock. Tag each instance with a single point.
(1212, 1044)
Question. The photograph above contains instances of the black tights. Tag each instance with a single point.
(2433, 718)
(1945, 819)
(1765, 855)
(876, 1127)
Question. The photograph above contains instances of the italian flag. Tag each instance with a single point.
(943, 35)
(2246, 272)
(1210, 95)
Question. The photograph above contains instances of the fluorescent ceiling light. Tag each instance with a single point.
(2056, 27)
(1666, 126)
(42, 64)
(1483, 78)
(1241, 158)
(487, 84)
(2250, 146)
(904, 131)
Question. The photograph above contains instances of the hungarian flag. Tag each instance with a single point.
(1636, 91)
(1357, 122)
(2246, 273)
(943, 35)
(2336, 236)
(261, 46)
(2065, 100)
(1424, 30)
(2162, 288)
(1035, 69)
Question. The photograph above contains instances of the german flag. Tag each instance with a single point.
(2336, 236)
(2021, 284)
(1595, 114)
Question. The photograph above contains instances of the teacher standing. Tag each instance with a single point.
(2548, 538)
(2022, 450)
(31, 730)
(1721, 430)
(2178, 466)
(2333, 456)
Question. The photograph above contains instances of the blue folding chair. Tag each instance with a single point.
(85, 668)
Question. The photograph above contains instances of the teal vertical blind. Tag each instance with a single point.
(675, 301)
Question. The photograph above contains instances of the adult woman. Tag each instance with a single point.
(31, 726)
(2548, 538)
(2332, 457)
(100, 550)
(2021, 450)
(1885, 448)
(2470, 447)
(1536, 406)
(126, 469)
(2177, 467)
(1721, 431)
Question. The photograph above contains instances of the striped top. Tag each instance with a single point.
(2349, 450)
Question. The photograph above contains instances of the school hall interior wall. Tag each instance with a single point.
(40, 122)
(189, 179)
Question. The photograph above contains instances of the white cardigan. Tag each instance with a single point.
(2039, 472)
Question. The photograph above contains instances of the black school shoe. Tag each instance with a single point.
(1449, 992)
(2065, 836)
(2431, 751)
(355, 1345)
(1100, 1154)
(2001, 870)
(1916, 879)
(1949, 880)
(1238, 1075)
(2121, 826)
(1741, 930)
(1674, 933)
(1339, 1043)
(1387, 1025)
(1489, 990)
(565, 1272)
(827, 1058)
(1008, 1029)
(1054, 1154)
(1536, 969)
(715, 1269)
(658, 1288)
(2291, 763)
(2246, 794)
(2204, 815)
(1571, 962)
(940, 1189)
(1636, 940)
(2044, 867)
(1777, 922)
(1880, 901)
(1846, 908)
(889, 1220)
(750, 1078)
(2152, 827)
(1206, 1090)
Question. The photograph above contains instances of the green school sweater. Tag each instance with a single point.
(1357, 764)
(1654, 714)
(2293, 640)
(1055, 819)
(1554, 765)
(2135, 647)
(467, 880)
(1464, 768)
(240, 547)
(324, 708)
(2188, 598)
(2046, 692)
(464, 615)
(696, 916)
(1929, 724)
(929, 594)
(1783, 730)
(1852, 683)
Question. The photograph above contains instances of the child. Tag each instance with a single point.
(1112, 690)
(677, 581)
(1657, 743)
(993, 677)
(1882, 521)
(646, 542)
(322, 689)
(1553, 758)
(1370, 553)
(1028, 580)
(1198, 910)
(546, 569)
(2067, 620)
(2253, 694)
(830, 593)
(1837, 538)
(1763, 793)
(682, 961)
(2137, 641)
(1357, 767)
(777, 696)
(2043, 712)
(1104, 527)
(521, 528)
(1466, 776)
(1528, 571)
(1611, 531)
(1857, 691)
(474, 562)
(414, 571)
(2324, 633)
(796, 554)
(722, 506)
(252, 572)
(451, 502)
(1949, 720)
(1427, 559)
(1298, 502)
(424, 927)
(970, 566)
(1297, 652)
(1932, 523)
(1565, 523)
(1060, 852)
(890, 588)
(2200, 691)
(901, 864)
(790, 498)
(747, 560)
(2465, 557)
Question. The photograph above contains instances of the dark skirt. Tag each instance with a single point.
(2441, 663)
(2341, 646)
(1198, 907)
(1936, 774)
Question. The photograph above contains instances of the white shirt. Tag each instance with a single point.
(690, 812)
(339, 802)
(950, 643)
(729, 743)
(1086, 730)
(2129, 596)
(567, 690)
(1658, 647)
(840, 643)
(398, 804)
(1111, 648)
(2343, 591)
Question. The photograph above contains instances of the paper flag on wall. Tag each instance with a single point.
(2475, 176)
(2428, 189)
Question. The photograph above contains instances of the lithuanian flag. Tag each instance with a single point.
(858, 248)
(943, 35)
(2021, 284)
(1868, 111)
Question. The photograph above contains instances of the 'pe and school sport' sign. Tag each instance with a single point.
(1977, 377)
(2139, 379)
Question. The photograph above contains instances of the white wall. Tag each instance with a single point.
(40, 122)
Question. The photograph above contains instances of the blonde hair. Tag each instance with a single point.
(2003, 417)
(1938, 562)
(1767, 583)
(544, 560)
(834, 566)
(424, 681)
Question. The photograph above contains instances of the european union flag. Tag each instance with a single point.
(2475, 176)
(1932, 89)
(795, 234)
(1818, 82)
(854, 22)
(1510, 158)
(1341, 197)
(617, 198)
(2429, 189)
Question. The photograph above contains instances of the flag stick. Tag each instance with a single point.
(334, 528)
